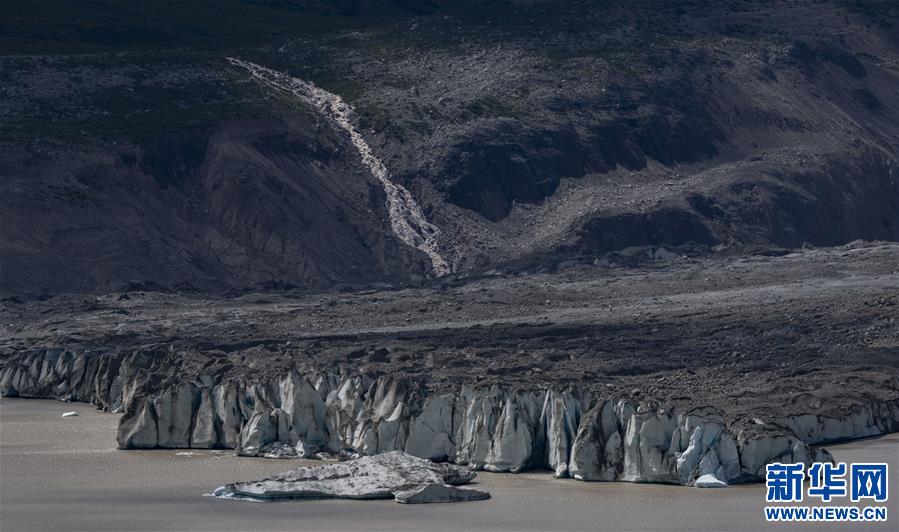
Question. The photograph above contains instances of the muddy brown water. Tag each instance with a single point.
(66, 474)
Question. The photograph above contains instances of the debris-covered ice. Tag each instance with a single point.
(388, 475)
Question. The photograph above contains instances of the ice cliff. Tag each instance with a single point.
(502, 429)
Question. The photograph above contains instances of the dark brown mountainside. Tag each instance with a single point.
(513, 134)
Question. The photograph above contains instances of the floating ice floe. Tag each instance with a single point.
(709, 481)
(395, 474)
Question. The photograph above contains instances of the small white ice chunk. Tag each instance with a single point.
(70, 414)
(709, 481)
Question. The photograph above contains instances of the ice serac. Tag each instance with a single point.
(342, 414)
(382, 423)
(204, 434)
(407, 220)
(596, 452)
(138, 431)
(514, 436)
(175, 409)
(303, 408)
(387, 475)
(104, 378)
(431, 432)
(561, 417)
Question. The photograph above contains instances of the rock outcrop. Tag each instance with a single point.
(391, 474)
(499, 429)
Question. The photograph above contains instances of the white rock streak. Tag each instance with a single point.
(406, 218)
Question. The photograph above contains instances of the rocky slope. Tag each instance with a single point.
(251, 200)
(519, 131)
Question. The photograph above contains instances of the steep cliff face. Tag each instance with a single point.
(500, 429)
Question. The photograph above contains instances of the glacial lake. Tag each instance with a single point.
(66, 474)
